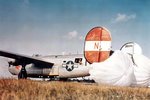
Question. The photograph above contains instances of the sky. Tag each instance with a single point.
(49, 27)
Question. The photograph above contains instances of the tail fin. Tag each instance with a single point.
(97, 45)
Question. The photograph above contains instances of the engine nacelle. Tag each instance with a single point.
(14, 69)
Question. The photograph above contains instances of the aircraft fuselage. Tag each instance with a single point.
(66, 66)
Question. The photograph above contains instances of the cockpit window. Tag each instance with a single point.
(78, 60)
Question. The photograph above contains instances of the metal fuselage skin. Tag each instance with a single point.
(65, 66)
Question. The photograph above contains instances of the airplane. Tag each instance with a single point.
(97, 48)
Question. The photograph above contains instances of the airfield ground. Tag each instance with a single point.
(13, 89)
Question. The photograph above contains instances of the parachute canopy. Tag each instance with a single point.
(141, 70)
(116, 70)
(128, 67)
(131, 48)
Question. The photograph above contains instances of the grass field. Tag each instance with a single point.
(12, 89)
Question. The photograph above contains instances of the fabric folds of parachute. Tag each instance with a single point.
(131, 48)
(116, 70)
(141, 70)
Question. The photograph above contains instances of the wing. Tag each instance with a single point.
(24, 60)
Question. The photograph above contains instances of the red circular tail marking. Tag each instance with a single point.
(97, 45)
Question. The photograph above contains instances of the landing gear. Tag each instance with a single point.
(23, 73)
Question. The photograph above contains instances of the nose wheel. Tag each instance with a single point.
(23, 73)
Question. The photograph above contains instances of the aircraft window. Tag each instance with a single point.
(56, 56)
(64, 61)
(78, 60)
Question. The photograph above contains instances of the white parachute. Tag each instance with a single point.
(142, 64)
(141, 70)
(116, 70)
(128, 67)
(131, 48)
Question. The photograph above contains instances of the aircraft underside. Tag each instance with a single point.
(54, 72)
